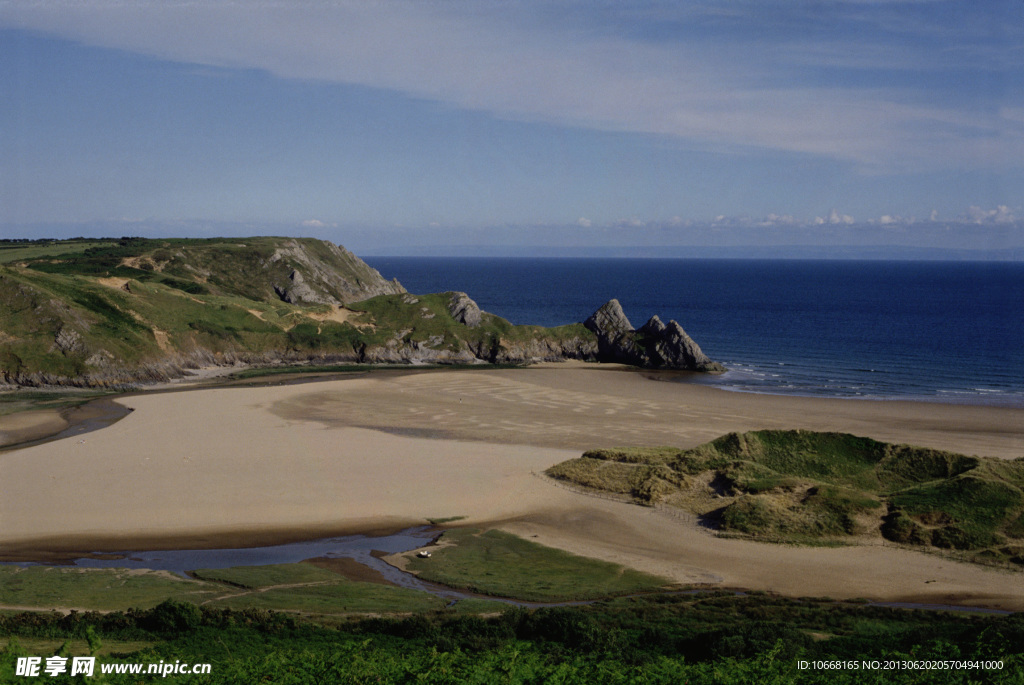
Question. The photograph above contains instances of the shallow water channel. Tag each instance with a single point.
(360, 548)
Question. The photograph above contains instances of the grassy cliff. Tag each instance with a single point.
(807, 487)
(109, 312)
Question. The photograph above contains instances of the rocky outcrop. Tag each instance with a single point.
(615, 335)
(300, 293)
(320, 272)
(654, 345)
(464, 310)
(670, 346)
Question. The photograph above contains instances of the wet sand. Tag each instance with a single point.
(27, 426)
(244, 466)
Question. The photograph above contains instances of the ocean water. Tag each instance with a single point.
(938, 331)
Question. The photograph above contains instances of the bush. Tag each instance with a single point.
(172, 617)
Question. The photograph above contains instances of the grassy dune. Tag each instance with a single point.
(813, 488)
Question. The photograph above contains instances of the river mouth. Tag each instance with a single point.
(354, 550)
(364, 550)
(181, 561)
(360, 557)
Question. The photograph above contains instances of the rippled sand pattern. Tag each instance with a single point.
(517, 407)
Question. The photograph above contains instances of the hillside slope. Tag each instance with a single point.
(111, 312)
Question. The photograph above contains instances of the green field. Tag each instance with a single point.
(814, 488)
(297, 587)
(96, 589)
(16, 251)
(307, 588)
(503, 565)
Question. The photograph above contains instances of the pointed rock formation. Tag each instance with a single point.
(464, 310)
(615, 339)
(655, 345)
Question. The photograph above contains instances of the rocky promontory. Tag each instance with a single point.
(654, 345)
(115, 312)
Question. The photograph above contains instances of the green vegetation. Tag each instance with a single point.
(256, 577)
(285, 587)
(80, 646)
(713, 637)
(806, 487)
(20, 250)
(701, 638)
(100, 589)
(307, 588)
(338, 597)
(425, 319)
(113, 312)
(503, 565)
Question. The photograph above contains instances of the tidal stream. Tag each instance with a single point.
(362, 549)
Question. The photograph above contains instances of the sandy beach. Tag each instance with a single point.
(380, 451)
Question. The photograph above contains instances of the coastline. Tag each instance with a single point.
(237, 466)
(27, 428)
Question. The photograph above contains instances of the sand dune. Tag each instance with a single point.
(378, 451)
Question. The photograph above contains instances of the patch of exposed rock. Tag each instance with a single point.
(68, 341)
(321, 272)
(654, 345)
(502, 351)
(299, 292)
(464, 310)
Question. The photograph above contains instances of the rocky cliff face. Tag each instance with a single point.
(464, 310)
(654, 345)
(320, 272)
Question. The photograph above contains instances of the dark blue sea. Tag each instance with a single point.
(938, 331)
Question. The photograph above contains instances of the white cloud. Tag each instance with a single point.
(314, 223)
(584, 222)
(779, 220)
(1000, 215)
(834, 217)
(502, 59)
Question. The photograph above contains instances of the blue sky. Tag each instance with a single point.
(531, 122)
